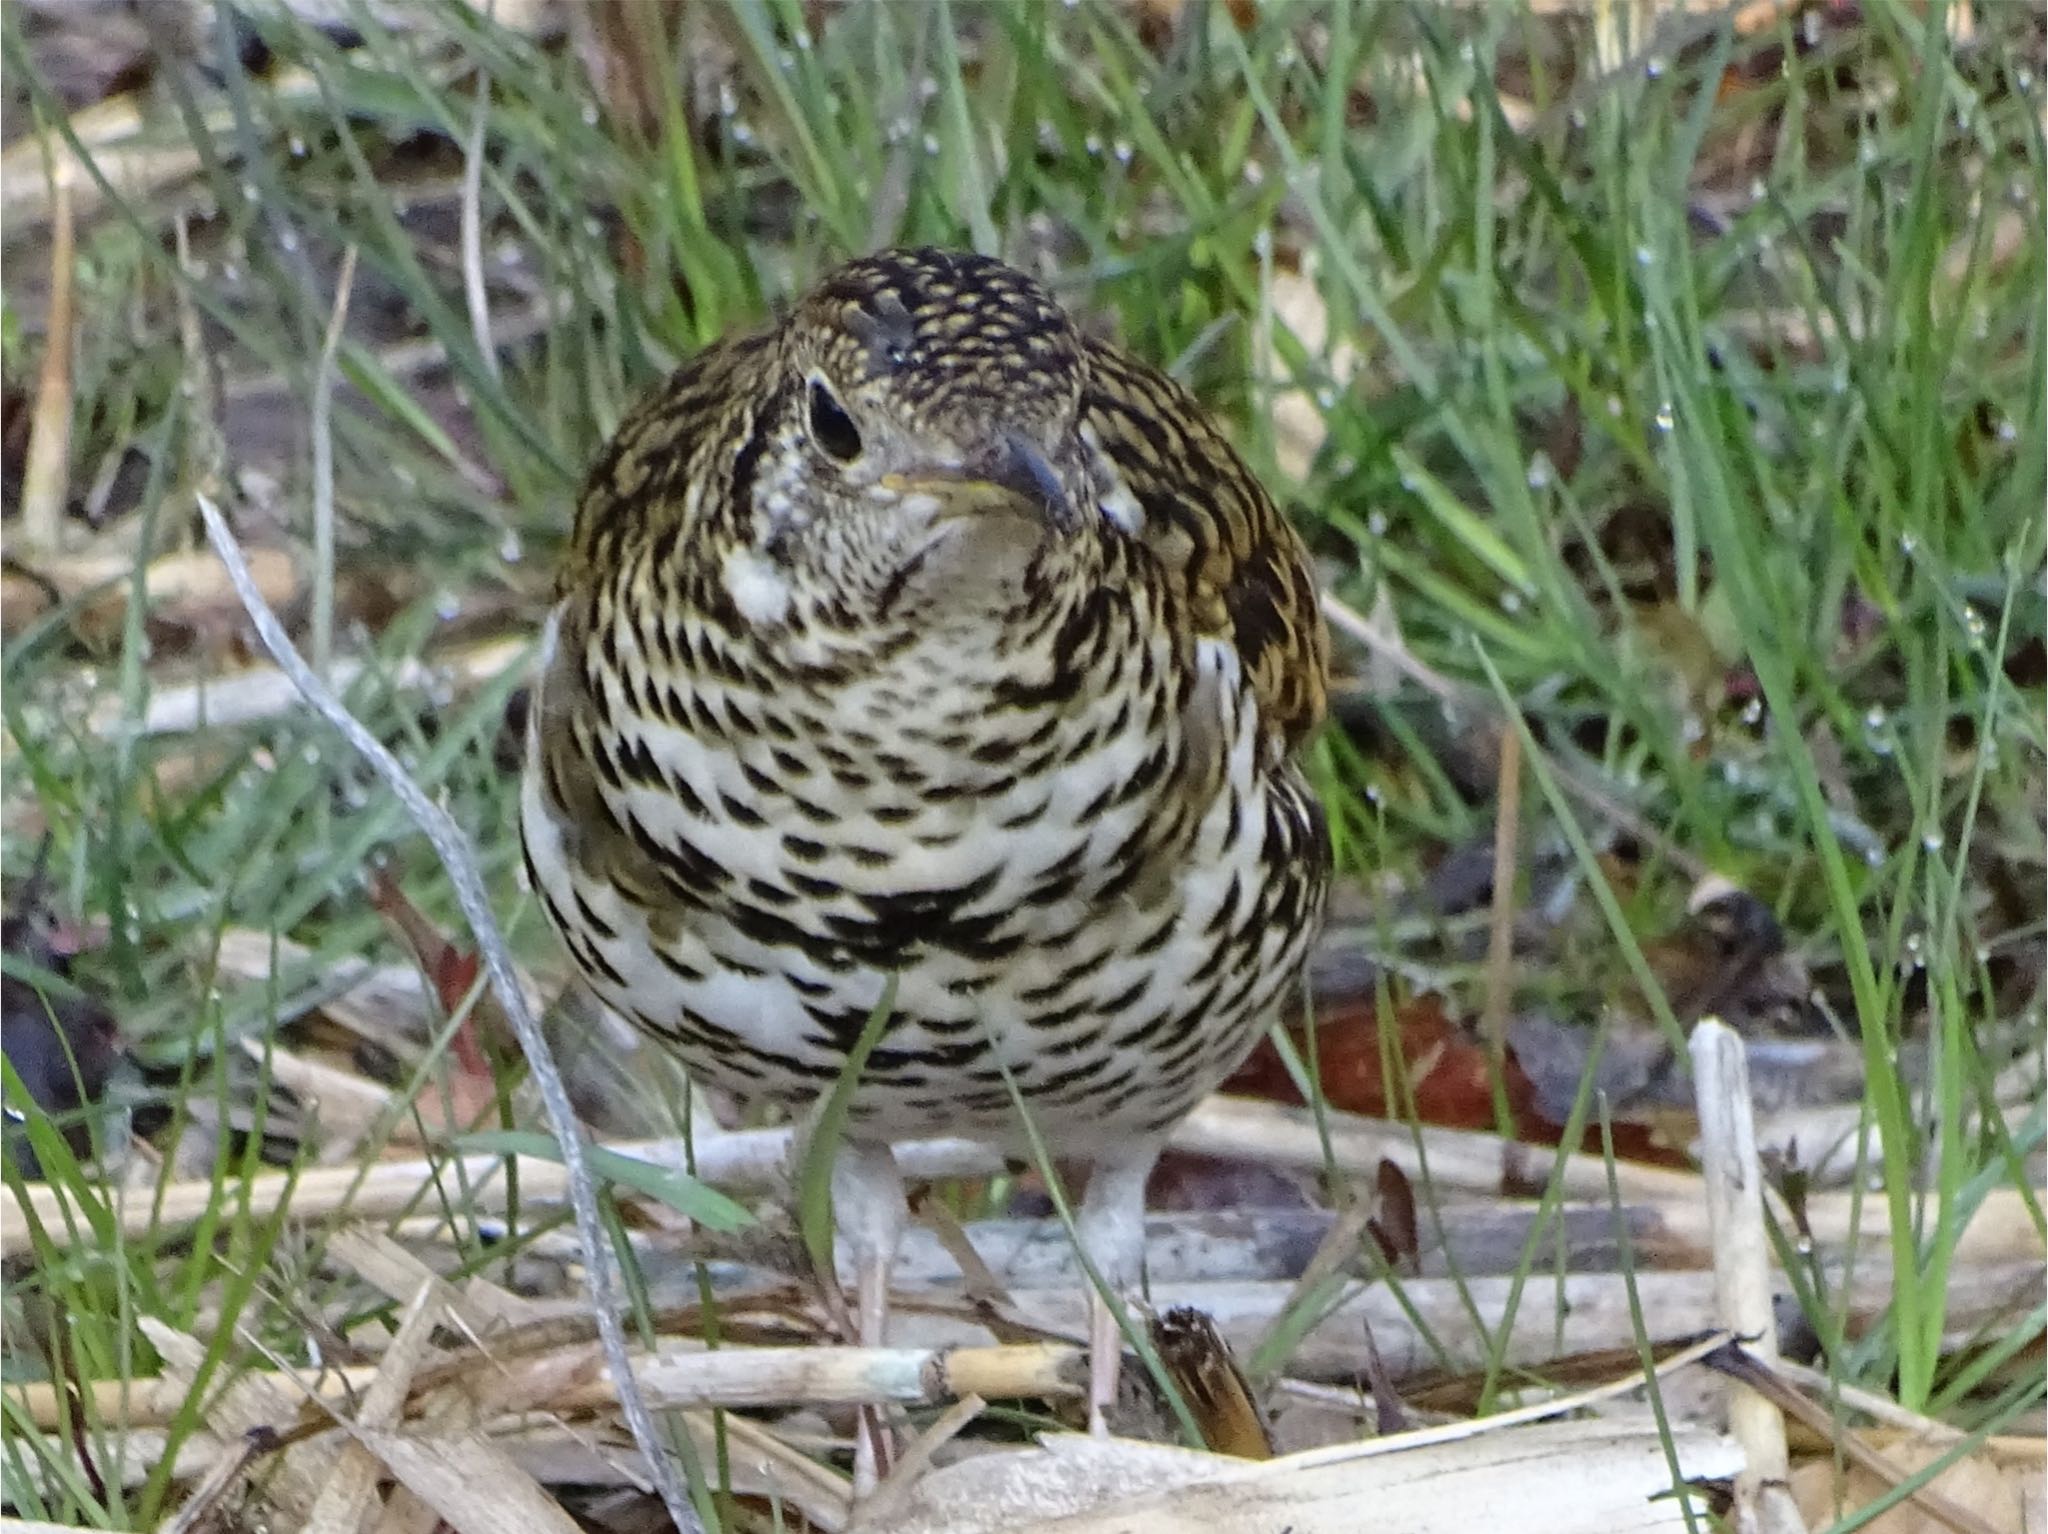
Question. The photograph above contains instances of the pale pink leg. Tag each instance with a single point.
(1111, 1225)
(869, 1209)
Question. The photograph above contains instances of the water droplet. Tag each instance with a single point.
(1540, 470)
(1975, 628)
(511, 547)
(1931, 842)
(1644, 255)
(1093, 144)
(742, 134)
(1326, 397)
(1873, 855)
(1909, 544)
(1511, 601)
(298, 147)
(1983, 951)
(1378, 524)
(589, 114)
(1614, 406)
(1409, 482)
(1753, 712)
(1346, 466)
(931, 144)
(2007, 432)
(1123, 151)
(1666, 416)
(1373, 794)
(288, 239)
(1653, 68)
(1757, 190)
(803, 40)
(1867, 152)
(785, 59)
(2023, 79)
(447, 606)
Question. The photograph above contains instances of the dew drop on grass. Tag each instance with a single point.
(1540, 471)
(1377, 524)
(2007, 432)
(589, 114)
(1644, 256)
(1511, 601)
(931, 145)
(298, 147)
(1092, 143)
(1123, 151)
(1614, 406)
(447, 606)
(1326, 398)
(1667, 417)
(511, 547)
(1909, 544)
(1933, 841)
(1975, 628)
(1753, 712)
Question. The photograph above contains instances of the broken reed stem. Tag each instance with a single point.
(680, 1374)
(466, 880)
(1742, 1256)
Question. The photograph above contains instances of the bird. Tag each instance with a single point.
(924, 645)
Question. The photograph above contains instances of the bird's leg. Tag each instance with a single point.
(869, 1209)
(1111, 1226)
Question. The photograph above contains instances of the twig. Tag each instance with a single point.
(45, 477)
(473, 232)
(323, 472)
(1390, 648)
(1742, 1266)
(452, 848)
(1762, 1375)
(890, 1497)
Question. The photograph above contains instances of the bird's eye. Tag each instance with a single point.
(831, 427)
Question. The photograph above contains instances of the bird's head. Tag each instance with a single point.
(922, 436)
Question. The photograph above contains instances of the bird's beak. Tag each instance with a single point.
(1013, 470)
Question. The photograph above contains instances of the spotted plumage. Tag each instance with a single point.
(923, 635)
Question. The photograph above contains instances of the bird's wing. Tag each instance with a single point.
(1241, 569)
(638, 492)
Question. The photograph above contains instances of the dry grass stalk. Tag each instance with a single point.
(46, 477)
(2001, 1231)
(346, 1498)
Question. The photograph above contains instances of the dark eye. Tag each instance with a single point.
(831, 427)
